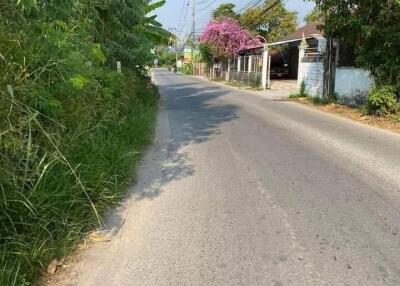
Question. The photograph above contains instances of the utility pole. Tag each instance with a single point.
(193, 19)
(329, 67)
(329, 70)
(193, 28)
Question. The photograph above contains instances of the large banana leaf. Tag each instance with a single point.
(152, 28)
(154, 6)
(152, 20)
(157, 35)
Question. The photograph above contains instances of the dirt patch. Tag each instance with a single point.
(63, 266)
(389, 123)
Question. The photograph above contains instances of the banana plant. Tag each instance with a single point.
(26, 4)
(153, 29)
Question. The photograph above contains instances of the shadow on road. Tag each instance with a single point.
(194, 116)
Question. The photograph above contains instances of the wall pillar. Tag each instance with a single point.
(265, 74)
(228, 71)
(269, 73)
(239, 63)
(250, 64)
(300, 77)
(302, 53)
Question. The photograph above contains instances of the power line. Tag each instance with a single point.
(248, 5)
(185, 9)
(208, 6)
(243, 5)
(183, 20)
(194, 20)
(181, 14)
(202, 2)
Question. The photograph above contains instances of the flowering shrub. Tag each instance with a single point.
(227, 38)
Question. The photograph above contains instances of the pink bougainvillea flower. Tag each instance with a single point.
(227, 38)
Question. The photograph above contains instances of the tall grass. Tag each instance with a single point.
(63, 162)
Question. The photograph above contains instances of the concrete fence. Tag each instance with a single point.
(246, 70)
(352, 85)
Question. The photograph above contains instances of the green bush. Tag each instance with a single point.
(382, 101)
(302, 91)
(186, 69)
(206, 54)
(73, 130)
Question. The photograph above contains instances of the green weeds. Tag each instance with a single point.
(72, 129)
(302, 93)
(59, 175)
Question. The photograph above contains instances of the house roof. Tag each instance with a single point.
(310, 30)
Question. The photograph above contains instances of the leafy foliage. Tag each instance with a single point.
(226, 10)
(372, 28)
(125, 33)
(206, 54)
(165, 56)
(273, 24)
(302, 91)
(226, 38)
(314, 15)
(382, 101)
(72, 128)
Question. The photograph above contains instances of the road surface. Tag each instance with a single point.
(243, 190)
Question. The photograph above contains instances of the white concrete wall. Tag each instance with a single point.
(352, 85)
(350, 82)
(313, 76)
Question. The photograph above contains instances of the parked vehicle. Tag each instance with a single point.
(279, 66)
(280, 71)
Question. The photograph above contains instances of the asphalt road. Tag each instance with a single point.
(243, 190)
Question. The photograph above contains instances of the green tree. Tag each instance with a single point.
(226, 10)
(314, 15)
(372, 28)
(206, 54)
(165, 55)
(126, 33)
(273, 24)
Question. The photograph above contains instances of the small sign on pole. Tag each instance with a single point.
(119, 70)
(322, 45)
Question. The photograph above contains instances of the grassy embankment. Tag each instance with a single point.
(64, 162)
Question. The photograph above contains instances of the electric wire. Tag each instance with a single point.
(208, 6)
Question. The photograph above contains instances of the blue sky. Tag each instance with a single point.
(170, 15)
